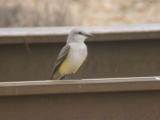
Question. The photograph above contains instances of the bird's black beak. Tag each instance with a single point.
(88, 34)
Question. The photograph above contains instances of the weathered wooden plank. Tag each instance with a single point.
(79, 86)
(59, 34)
(138, 55)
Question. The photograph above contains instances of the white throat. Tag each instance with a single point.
(76, 38)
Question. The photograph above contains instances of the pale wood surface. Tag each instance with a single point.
(59, 34)
(79, 86)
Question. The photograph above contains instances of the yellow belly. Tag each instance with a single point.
(68, 67)
(75, 58)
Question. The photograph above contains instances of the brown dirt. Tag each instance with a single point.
(20, 13)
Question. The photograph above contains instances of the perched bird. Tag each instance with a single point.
(72, 55)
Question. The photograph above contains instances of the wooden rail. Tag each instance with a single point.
(79, 86)
(59, 34)
(116, 48)
(136, 55)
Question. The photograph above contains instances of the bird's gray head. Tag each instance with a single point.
(78, 35)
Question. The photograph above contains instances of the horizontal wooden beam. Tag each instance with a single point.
(59, 34)
(79, 86)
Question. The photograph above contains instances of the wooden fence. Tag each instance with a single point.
(119, 81)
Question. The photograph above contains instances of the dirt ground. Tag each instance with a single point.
(20, 13)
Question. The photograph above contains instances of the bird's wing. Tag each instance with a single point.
(62, 55)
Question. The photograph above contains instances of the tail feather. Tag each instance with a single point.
(57, 76)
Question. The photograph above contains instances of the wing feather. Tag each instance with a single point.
(62, 55)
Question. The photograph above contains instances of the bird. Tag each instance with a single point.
(72, 55)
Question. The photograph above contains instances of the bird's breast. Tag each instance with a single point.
(78, 52)
(77, 55)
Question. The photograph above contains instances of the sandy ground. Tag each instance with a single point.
(20, 13)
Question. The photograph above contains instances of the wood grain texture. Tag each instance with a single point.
(79, 86)
(109, 55)
(59, 34)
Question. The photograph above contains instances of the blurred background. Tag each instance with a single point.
(26, 13)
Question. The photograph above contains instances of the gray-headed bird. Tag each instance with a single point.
(72, 55)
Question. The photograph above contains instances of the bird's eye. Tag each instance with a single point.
(79, 32)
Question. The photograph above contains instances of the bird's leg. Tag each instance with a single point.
(64, 78)
(68, 77)
(72, 77)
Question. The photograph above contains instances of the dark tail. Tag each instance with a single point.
(56, 76)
